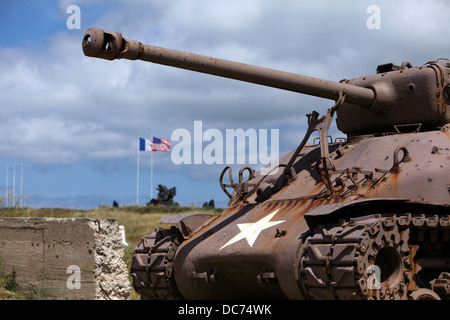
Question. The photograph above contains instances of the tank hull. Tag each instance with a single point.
(254, 249)
(366, 218)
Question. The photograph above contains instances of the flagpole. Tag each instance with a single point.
(21, 184)
(137, 176)
(14, 185)
(151, 171)
(7, 187)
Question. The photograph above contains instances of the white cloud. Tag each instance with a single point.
(61, 98)
(50, 139)
(60, 107)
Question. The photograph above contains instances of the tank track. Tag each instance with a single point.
(341, 261)
(152, 265)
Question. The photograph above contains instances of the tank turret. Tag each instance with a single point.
(361, 218)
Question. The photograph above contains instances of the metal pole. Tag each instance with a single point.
(137, 174)
(7, 187)
(151, 171)
(21, 185)
(14, 185)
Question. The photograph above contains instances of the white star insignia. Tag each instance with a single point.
(251, 231)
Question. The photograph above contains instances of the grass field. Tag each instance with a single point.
(138, 221)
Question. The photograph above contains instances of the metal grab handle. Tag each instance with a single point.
(239, 187)
(406, 158)
(222, 185)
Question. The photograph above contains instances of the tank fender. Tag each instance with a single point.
(334, 211)
(186, 223)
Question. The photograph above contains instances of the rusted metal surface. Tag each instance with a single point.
(290, 257)
(418, 95)
(364, 218)
(186, 223)
(111, 45)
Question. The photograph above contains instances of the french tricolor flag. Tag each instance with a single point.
(145, 144)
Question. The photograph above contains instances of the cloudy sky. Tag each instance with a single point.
(73, 122)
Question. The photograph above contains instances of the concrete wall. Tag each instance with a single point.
(65, 258)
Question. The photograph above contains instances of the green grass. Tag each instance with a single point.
(138, 222)
(9, 290)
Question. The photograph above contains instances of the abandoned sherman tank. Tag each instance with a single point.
(362, 218)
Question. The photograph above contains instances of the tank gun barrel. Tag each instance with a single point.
(111, 45)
